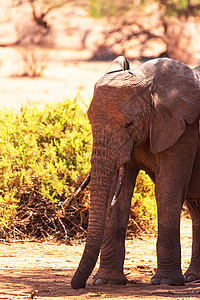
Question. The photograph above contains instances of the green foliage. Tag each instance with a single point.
(174, 8)
(143, 208)
(178, 8)
(42, 152)
(104, 8)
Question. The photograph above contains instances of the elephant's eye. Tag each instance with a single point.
(129, 124)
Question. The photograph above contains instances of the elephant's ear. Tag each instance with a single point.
(120, 63)
(175, 96)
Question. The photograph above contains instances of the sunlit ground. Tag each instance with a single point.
(68, 74)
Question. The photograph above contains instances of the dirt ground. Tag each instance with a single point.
(66, 76)
(48, 268)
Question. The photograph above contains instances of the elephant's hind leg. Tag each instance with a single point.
(113, 247)
(193, 272)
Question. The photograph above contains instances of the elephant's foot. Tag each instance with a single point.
(109, 277)
(172, 277)
(192, 273)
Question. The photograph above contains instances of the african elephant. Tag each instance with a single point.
(143, 119)
(197, 71)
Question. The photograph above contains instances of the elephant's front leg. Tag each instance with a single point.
(193, 272)
(113, 247)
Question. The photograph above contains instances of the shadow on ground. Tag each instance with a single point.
(55, 284)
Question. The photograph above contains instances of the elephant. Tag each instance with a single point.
(145, 118)
(197, 71)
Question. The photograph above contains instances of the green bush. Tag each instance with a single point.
(43, 152)
(44, 156)
(104, 8)
(143, 215)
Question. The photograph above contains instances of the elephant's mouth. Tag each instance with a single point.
(122, 170)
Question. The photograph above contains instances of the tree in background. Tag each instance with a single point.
(104, 8)
(41, 8)
(176, 17)
(163, 26)
(34, 47)
(164, 20)
(35, 38)
(180, 8)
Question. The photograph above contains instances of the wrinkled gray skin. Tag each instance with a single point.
(147, 118)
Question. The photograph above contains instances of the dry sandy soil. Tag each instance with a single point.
(48, 268)
(66, 76)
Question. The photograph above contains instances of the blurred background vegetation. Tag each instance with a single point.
(136, 28)
(45, 151)
(167, 21)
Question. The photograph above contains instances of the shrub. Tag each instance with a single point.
(35, 43)
(43, 153)
(101, 8)
(143, 214)
(44, 156)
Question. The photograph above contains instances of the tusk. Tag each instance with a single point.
(119, 184)
(83, 185)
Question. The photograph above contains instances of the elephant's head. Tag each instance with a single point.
(197, 71)
(149, 104)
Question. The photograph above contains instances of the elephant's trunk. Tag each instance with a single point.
(101, 177)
